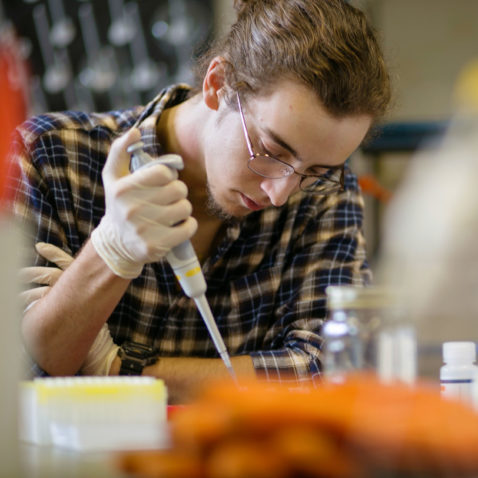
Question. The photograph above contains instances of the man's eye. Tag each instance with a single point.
(317, 171)
(268, 151)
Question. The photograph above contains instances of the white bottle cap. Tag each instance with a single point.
(459, 352)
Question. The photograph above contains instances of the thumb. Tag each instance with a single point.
(117, 164)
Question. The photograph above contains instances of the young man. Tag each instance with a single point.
(272, 212)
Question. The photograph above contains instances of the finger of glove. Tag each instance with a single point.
(54, 254)
(162, 196)
(155, 247)
(180, 233)
(145, 213)
(171, 236)
(31, 295)
(153, 177)
(40, 275)
(172, 214)
(171, 193)
(134, 201)
(150, 216)
(117, 163)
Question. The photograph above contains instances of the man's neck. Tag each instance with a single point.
(179, 133)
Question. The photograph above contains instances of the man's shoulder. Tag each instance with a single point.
(63, 122)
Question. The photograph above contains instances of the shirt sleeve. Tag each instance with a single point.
(329, 250)
(34, 194)
(31, 198)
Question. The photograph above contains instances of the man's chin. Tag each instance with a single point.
(214, 208)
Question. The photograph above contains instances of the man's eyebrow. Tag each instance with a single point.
(276, 138)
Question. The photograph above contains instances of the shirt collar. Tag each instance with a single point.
(149, 118)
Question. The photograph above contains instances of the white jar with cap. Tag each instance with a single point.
(458, 373)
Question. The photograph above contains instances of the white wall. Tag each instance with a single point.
(224, 15)
(427, 43)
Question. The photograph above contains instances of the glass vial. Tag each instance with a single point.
(354, 317)
(367, 330)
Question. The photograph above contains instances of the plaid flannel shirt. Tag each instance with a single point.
(266, 279)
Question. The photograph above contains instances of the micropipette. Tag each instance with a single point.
(183, 259)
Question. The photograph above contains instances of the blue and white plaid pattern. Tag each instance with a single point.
(266, 278)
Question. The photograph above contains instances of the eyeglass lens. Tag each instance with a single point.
(272, 168)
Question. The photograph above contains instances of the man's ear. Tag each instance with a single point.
(213, 82)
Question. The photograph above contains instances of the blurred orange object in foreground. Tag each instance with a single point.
(13, 88)
(370, 186)
(173, 409)
(362, 428)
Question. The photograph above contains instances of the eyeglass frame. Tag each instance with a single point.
(253, 155)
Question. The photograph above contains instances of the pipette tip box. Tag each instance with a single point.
(94, 413)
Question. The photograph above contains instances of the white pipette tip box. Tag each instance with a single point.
(95, 413)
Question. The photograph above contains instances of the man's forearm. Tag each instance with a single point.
(185, 375)
(60, 328)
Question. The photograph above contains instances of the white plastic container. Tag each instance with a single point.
(95, 413)
(458, 373)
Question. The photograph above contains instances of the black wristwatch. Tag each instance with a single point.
(135, 356)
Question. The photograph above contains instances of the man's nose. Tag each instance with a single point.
(279, 190)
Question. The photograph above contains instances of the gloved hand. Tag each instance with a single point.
(142, 209)
(46, 276)
(103, 350)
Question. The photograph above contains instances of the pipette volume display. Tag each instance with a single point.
(183, 258)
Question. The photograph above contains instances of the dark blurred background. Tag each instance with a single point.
(102, 54)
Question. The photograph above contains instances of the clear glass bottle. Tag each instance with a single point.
(354, 317)
(397, 346)
(366, 330)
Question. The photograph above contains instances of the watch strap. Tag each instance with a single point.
(131, 366)
(134, 357)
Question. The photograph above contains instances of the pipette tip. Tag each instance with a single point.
(233, 376)
(228, 364)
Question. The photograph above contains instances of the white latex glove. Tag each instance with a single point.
(142, 209)
(103, 350)
(45, 276)
(101, 354)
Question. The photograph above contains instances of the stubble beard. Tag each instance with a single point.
(214, 208)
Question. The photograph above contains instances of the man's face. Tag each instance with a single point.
(289, 124)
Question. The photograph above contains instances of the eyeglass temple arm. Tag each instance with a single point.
(244, 127)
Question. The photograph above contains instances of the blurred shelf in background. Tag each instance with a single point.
(107, 54)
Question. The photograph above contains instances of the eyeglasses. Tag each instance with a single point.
(329, 180)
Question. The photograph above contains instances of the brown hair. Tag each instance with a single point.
(326, 44)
